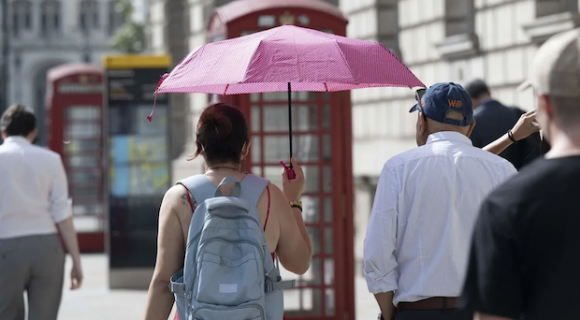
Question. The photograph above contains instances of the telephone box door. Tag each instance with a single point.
(317, 146)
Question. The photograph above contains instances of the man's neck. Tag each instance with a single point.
(564, 145)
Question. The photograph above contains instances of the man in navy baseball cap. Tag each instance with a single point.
(445, 106)
(426, 203)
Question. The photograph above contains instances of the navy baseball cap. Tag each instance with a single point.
(443, 97)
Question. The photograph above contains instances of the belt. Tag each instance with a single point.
(430, 303)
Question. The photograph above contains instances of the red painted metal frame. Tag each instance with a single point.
(56, 104)
(341, 151)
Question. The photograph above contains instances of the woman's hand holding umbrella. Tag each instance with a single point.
(293, 188)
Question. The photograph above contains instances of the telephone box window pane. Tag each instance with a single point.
(328, 240)
(274, 174)
(327, 183)
(326, 117)
(82, 113)
(256, 150)
(326, 147)
(255, 118)
(83, 161)
(312, 276)
(277, 148)
(329, 302)
(328, 272)
(314, 233)
(312, 302)
(85, 177)
(304, 118)
(82, 130)
(326, 96)
(257, 171)
(254, 97)
(85, 192)
(328, 209)
(311, 209)
(266, 21)
(296, 96)
(75, 146)
(291, 299)
(312, 176)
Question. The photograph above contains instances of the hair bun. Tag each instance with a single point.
(217, 125)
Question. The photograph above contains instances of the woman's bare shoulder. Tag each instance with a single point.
(176, 198)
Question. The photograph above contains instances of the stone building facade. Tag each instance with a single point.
(439, 40)
(46, 33)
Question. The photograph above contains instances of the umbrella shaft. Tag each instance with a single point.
(290, 119)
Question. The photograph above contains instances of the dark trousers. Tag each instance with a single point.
(437, 314)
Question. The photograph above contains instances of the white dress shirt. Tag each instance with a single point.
(425, 207)
(33, 189)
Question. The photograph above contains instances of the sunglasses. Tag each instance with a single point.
(419, 95)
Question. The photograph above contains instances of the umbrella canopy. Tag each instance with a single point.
(267, 61)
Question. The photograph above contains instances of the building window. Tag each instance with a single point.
(460, 17)
(89, 15)
(550, 7)
(21, 16)
(50, 17)
(115, 17)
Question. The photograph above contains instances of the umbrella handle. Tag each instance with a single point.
(290, 173)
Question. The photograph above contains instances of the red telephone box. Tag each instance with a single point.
(322, 144)
(74, 122)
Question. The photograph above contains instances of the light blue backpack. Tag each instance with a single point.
(228, 270)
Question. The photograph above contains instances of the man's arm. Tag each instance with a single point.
(60, 209)
(379, 262)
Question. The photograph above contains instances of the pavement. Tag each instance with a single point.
(95, 301)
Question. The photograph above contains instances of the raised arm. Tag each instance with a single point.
(170, 255)
(294, 247)
(525, 126)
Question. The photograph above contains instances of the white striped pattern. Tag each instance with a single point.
(424, 211)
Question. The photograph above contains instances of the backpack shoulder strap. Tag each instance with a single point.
(199, 186)
(253, 187)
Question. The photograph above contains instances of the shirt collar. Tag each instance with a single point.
(448, 136)
(17, 140)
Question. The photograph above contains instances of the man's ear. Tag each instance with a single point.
(545, 105)
(4, 135)
(422, 122)
(471, 126)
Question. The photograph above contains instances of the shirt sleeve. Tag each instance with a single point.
(379, 262)
(493, 282)
(60, 206)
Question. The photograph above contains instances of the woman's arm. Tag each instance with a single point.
(170, 255)
(525, 126)
(294, 247)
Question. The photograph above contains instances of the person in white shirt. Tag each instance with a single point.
(34, 207)
(426, 203)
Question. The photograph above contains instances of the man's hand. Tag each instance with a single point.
(385, 301)
(526, 125)
(76, 276)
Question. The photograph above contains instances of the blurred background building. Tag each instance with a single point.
(40, 34)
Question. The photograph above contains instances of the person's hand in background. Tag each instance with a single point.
(526, 125)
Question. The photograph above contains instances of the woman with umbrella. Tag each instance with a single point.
(222, 140)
